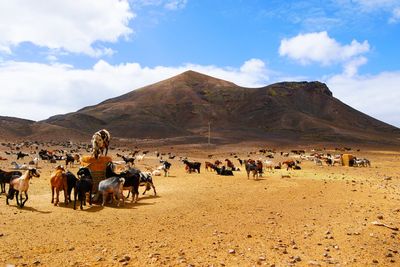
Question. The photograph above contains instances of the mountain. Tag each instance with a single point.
(21, 129)
(183, 106)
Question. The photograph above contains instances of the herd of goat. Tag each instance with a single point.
(114, 183)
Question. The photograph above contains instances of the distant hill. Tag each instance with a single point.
(182, 106)
(20, 129)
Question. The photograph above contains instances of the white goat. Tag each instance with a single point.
(19, 166)
(21, 184)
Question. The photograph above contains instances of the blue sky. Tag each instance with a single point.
(59, 56)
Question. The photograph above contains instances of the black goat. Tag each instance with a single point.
(192, 166)
(5, 178)
(69, 159)
(223, 171)
(128, 160)
(83, 185)
(132, 179)
(21, 155)
(71, 184)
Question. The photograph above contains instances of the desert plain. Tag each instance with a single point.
(316, 216)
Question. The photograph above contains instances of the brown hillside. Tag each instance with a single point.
(183, 105)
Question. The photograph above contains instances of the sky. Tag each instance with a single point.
(59, 56)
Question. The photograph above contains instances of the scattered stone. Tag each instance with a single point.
(389, 255)
(99, 259)
(249, 236)
(375, 261)
(313, 263)
(380, 217)
(262, 258)
(297, 258)
(36, 262)
(71, 249)
(231, 251)
(1, 234)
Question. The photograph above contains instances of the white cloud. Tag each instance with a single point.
(37, 91)
(167, 4)
(395, 16)
(73, 26)
(351, 67)
(175, 4)
(376, 4)
(376, 95)
(318, 47)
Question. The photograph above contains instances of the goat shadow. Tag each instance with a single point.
(258, 179)
(128, 205)
(27, 208)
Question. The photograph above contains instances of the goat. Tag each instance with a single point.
(132, 179)
(251, 166)
(209, 166)
(34, 162)
(140, 157)
(222, 171)
(165, 167)
(83, 185)
(69, 159)
(269, 165)
(6, 177)
(58, 182)
(100, 142)
(290, 164)
(240, 161)
(361, 162)
(17, 166)
(71, 184)
(192, 166)
(113, 185)
(259, 166)
(21, 155)
(128, 160)
(19, 185)
(147, 181)
(229, 164)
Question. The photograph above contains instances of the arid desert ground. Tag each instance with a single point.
(316, 216)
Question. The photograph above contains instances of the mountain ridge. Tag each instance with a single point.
(183, 105)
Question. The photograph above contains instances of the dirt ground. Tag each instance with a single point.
(319, 216)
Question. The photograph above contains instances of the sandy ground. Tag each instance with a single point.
(320, 216)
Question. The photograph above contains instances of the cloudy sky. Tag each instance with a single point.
(59, 56)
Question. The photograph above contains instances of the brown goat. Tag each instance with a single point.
(58, 181)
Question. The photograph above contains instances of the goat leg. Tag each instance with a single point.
(52, 194)
(65, 195)
(57, 197)
(16, 197)
(75, 193)
(25, 200)
(154, 189)
(90, 197)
